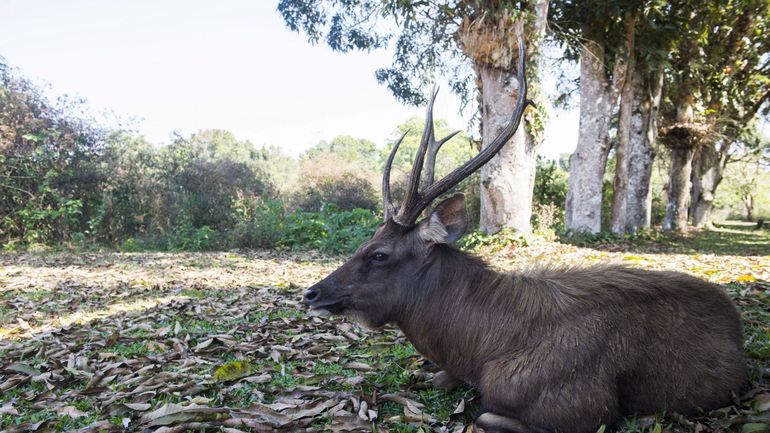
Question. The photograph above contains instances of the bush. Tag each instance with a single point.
(186, 237)
(548, 198)
(505, 238)
(550, 183)
(547, 220)
(347, 191)
(50, 156)
(330, 230)
(329, 178)
(258, 224)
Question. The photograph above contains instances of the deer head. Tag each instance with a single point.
(378, 280)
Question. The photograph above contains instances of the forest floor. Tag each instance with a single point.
(220, 341)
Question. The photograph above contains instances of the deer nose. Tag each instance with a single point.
(311, 295)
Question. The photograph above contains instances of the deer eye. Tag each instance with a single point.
(378, 257)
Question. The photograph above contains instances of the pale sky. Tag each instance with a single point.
(189, 65)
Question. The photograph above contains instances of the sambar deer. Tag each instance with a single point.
(550, 348)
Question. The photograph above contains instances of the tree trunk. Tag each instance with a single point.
(628, 123)
(598, 98)
(586, 165)
(508, 179)
(637, 130)
(678, 189)
(749, 202)
(707, 171)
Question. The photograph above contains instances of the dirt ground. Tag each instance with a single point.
(220, 342)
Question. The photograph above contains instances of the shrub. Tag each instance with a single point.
(347, 191)
(328, 178)
(258, 224)
(548, 198)
(330, 230)
(547, 220)
(550, 183)
(186, 237)
(505, 238)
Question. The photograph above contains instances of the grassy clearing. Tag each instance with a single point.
(104, 342)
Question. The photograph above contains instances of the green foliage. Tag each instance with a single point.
(344, 171)
(641, 239)
(258, 224)
(742, 194)
(346, 190)
(363, 152)
(50, 154)
(187, 237)
(505, 238)
(549, 196)
(330, 230)
(550, 183)
(426, 36)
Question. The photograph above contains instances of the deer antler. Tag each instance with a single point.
(388, 208)
(429, 135)
(416, 201)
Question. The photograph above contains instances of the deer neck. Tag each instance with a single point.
(443, 317)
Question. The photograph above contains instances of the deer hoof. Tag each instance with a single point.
(494, 423)
(445, 382)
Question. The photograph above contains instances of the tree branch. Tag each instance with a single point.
(17, 189)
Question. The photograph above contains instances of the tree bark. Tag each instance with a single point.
(598, 98)
(627, 124)
(587, 163)
(678, 189)
(682, 138)
(707, 171)
(508, 179)
(748, 201)
(637, 130)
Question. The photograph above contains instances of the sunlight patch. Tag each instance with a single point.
(24, 330)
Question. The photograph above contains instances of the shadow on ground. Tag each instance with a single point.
(729, 238)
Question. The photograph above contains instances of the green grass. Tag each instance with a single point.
(730, 238)
(755, 312)
(395, 363)
(196, 293)
(57, 422)
(130, 350)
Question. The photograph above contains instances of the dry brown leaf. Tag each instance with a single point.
(171, 413)
(360, 366)
(70, 411)
(8, 409)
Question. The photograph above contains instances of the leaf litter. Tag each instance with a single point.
(220, 342)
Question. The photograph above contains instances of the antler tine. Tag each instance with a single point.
(430, 159)
(388, 209)
(407, 216)
(413, 183)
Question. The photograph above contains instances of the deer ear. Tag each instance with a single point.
(447, 222)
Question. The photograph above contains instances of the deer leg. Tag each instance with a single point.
(445, 381)
(494, 423)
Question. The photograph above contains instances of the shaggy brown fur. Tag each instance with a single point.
(564, 349)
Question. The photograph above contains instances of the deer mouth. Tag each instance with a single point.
(332, 307)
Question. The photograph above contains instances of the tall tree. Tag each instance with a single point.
(600, 34)
(736, 86)
(717, 83)
(474, 43)
(638, 117)
(637, 135)
(50, 155)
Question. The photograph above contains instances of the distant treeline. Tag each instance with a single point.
(66, 179)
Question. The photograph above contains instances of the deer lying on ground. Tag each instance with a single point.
(550, 349)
